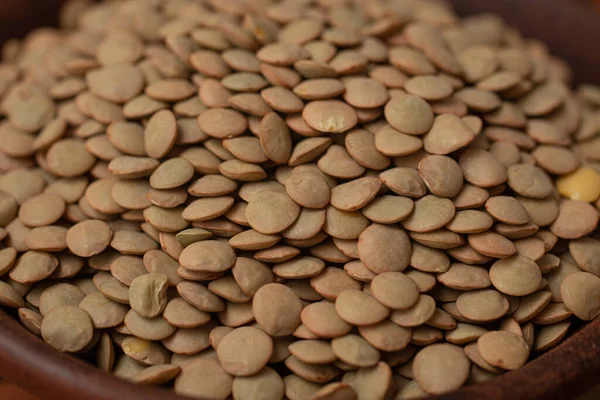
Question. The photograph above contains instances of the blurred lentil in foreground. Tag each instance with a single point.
(354, 200)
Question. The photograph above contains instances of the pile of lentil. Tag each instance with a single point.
(305, 199)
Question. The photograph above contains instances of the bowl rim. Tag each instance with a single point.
(28, 362)
(565, 371)
(569, 369)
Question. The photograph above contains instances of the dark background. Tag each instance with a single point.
(570, 27)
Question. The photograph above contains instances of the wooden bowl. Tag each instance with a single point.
(570, 28)
(568, 370)
(571, 31)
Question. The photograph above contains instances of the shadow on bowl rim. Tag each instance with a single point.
(569, 369)
(566, 371)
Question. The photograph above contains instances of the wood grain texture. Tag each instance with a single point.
(8, 391)
(565, 372)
